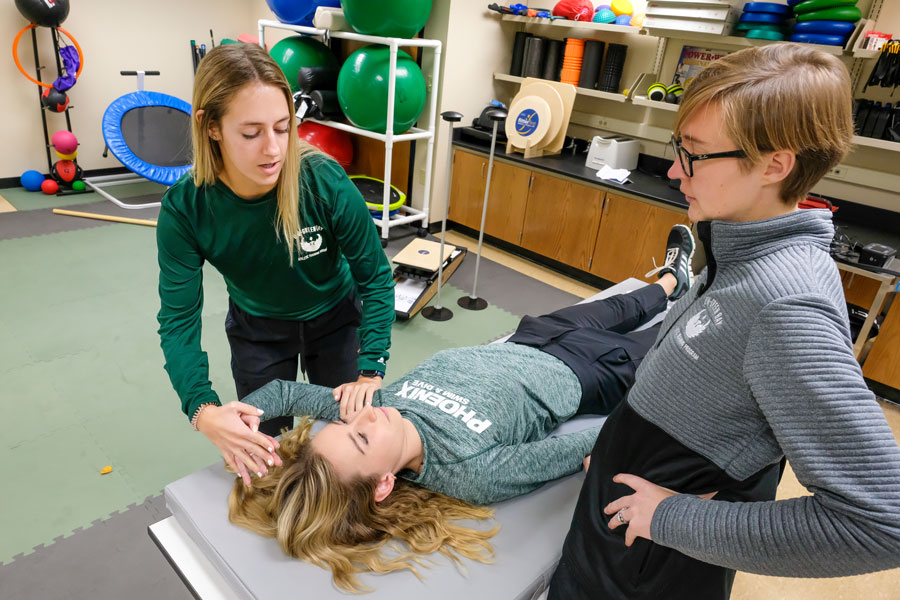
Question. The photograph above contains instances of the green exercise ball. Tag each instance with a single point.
(297, 51)
(362, 89)
(388, 18)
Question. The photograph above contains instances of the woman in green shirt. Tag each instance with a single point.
(307, 279)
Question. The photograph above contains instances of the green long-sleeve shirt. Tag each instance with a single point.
(339, 249)
(483, 413)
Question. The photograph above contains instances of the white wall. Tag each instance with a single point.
(114, 35)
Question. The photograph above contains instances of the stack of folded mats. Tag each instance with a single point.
(828, 22)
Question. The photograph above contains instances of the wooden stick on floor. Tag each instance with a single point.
(74, 213)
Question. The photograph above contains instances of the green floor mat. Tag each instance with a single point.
(52, 484)
(22, 199)
(84, 387)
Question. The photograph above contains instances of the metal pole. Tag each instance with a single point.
(473, 302)
(438, 312)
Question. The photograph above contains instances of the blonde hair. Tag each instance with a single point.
(221, 74)
(779, 97)
(335, 524)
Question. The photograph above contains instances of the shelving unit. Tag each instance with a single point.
(388, 138)
(572, 24)
(726, 40)
(874, 143)
(578, 90)
(658, 104)
(851, 50)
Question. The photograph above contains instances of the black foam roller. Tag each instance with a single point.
(590, 66)
(552, 59)
(515, 68)
(532, 65)
(612, 68)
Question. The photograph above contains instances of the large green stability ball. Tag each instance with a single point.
(388, 18)
(362, 89)
(297, 51)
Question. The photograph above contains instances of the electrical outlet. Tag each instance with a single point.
(839, 172)
(602, 123)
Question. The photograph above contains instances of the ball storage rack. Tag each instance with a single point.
(407, 213)
(54, 35)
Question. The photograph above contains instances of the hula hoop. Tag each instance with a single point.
(22, 70)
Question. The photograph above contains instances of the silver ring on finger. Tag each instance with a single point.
(620, 517)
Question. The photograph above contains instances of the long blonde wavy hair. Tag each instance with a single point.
(335, 524)
(221, 74)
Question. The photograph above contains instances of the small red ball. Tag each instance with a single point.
(49, 187)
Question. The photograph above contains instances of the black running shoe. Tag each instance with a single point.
(679, 252)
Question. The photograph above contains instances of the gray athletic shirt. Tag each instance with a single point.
(484, 414)
(756, 363)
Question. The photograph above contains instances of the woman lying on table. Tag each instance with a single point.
(469, 425)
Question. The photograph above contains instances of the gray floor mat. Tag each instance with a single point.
(112, 559)
(28, 223)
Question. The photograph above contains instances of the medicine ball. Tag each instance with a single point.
(46, 13)
(54, 99)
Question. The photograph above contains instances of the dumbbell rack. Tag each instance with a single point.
(388, 138)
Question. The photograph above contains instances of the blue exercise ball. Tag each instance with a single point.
(31, 180)
(298, 12)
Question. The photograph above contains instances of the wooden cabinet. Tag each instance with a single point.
(883, 362)
(506, 205)
(631, 233)
(561, 220)
(611, 236)
(859, 290)
(467, 189)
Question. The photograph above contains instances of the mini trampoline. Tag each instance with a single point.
(149, 133)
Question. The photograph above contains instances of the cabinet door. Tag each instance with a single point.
(506, 203)
(859, 290)
(883, 362)
(467, 189)
(561, 220)
(631, 233)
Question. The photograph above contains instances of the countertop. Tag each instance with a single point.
(642, 184)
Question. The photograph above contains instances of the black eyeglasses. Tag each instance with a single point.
(687, 159)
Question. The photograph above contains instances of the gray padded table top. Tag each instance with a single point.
(527, 548)
(532, 530)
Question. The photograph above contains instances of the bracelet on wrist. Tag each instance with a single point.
(197, 412)
(371, 373)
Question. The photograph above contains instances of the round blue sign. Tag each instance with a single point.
(526, 122)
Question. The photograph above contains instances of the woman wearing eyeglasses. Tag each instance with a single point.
(752, 366)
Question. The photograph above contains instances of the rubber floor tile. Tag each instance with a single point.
(22, 199)
(62, 489)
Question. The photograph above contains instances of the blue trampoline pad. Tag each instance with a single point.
(150, 133)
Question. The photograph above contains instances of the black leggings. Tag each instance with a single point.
(263, 349)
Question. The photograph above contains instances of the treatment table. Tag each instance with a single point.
(218, 560)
